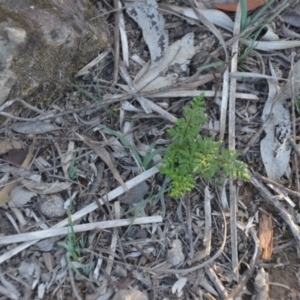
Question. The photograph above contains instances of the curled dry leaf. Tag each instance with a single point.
(5, 145)
(4, 193)
(179, 285)
(179, 53)
(66, 158)
(265, 235)
(105, 156)
(45, 188)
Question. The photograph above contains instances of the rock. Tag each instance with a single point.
(43, 43)
(175, 255)
(52, 206)
(133, 294)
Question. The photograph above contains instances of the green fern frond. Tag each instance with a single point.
(191, 154)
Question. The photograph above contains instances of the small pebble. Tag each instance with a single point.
(175, 255)
(52, 206)
(136, 194)
(58, 120)
(252, 109)
(133, 294)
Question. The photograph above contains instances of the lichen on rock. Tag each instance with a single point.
(44, 43)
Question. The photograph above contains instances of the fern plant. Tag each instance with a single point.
(190, 153)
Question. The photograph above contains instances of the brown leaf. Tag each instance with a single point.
(265, 235)
(17, 156)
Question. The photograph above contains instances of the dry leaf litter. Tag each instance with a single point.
(224, 240)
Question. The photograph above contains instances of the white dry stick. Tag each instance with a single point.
(123, 36)
(207, 231)
(43, 234)
(224, 103)
(113, 246)
(179, 92)
(89, 208)
(231, 144)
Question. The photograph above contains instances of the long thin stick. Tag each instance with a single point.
(91, 207)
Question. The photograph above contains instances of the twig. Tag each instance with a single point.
(74, 289)
(231, 146)
(246, 276)
(112, 248)
(294, 123)
(216, 282)
(285, 215)
(42, 234)
(280, 186)
(294, 145)
(189, 227)
(199, 266)
(117, 42)
(208, 227)
(91, 207)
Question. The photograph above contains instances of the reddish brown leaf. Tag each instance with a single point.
(266, 235)
(251, 4)
(17, 156)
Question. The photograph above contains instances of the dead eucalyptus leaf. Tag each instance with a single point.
(105, 156)
(20, 196)
(271, 46)
(17, 156)
(34, 127)
(291, 17)
(66, 158)
(179, 53)
(274, 150)
(153, 26)
(45, 188)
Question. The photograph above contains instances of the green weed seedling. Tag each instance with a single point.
(144, 162)
(73, 171)
(137, 208)
(190, 153)
(247, 21)
(74, 248)
(297, 103)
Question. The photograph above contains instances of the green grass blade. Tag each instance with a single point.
(212, 65)
(258, 14)
(148, 158)
(244, 14)
(124, 141)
